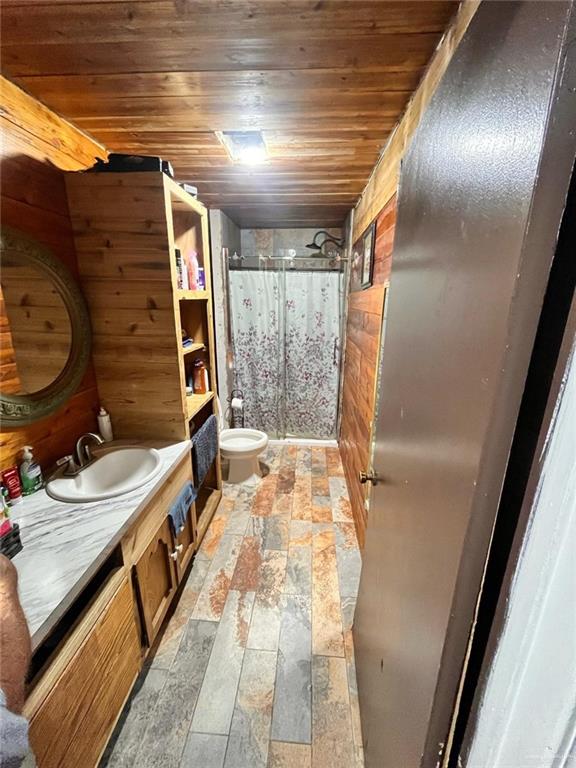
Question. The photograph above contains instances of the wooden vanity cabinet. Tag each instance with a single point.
(157, 579)
(73, 709)
(74, 705)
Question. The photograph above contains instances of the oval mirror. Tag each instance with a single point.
(45, 330)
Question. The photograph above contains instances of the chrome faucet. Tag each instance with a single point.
(83, 453)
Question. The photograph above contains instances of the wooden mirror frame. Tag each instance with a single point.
(19, 410)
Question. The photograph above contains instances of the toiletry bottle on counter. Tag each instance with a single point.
(5, 523)
(12, 482)
(105, 425)
(30, 472)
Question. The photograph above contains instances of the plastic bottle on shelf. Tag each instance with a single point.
(200, 377)
(105, 424)
(193, 268)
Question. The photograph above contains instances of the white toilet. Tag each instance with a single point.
(241, 448)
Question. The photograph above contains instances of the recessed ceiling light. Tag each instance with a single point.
(245, 147)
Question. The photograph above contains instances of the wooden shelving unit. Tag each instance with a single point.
(127, 227)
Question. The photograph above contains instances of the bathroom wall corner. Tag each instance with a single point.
(223, 234)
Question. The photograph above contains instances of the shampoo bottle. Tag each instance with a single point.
(30, 472)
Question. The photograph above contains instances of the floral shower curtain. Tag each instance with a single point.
(286, 333)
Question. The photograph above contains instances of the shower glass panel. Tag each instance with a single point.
(286, 316)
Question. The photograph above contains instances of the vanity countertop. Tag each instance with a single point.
(65, 543)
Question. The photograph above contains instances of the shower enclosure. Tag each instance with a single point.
(286, 316)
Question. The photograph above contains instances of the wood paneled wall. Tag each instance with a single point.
(361, 362)
(384, 180)
(37, 146)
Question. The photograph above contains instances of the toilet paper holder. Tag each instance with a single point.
(236, 405)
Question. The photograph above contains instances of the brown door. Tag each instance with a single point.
(157, 579)
(482, 190)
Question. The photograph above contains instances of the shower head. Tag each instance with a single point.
(328, 238)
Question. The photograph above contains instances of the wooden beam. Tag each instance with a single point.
(34, 130)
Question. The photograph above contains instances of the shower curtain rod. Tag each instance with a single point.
(302, 258)
(291, 258)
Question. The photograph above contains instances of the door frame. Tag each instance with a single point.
(552, 349)
(457, 691)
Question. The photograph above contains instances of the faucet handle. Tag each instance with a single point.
(71, 465)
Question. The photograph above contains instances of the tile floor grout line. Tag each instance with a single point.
(237, 690)
(241, 668)
(237, 694)
(199, 689)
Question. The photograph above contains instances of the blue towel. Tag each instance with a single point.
(205, 448)
(180, 507)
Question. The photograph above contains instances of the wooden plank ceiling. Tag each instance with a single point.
(324, 80)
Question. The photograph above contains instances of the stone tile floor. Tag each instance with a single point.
(255, 668)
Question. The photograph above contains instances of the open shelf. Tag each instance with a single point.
(199, 347)
(206, 503)
(196, 402)
(191, 295)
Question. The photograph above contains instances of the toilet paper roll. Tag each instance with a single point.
(237, 403)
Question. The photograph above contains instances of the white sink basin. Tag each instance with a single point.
(120, 471)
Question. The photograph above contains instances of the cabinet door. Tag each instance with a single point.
(185, 543)
(156, 576)
(74, 707)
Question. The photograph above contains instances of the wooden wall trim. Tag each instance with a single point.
(383, 182)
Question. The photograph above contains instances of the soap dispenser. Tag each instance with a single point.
(105, 425)
(30, 472)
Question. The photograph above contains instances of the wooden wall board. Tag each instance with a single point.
(325, 82)
(36, 143)
(239, 22)
(361, 362)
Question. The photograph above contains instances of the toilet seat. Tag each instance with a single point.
(242, 440)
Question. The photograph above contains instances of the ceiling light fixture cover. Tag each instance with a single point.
(246, 147)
